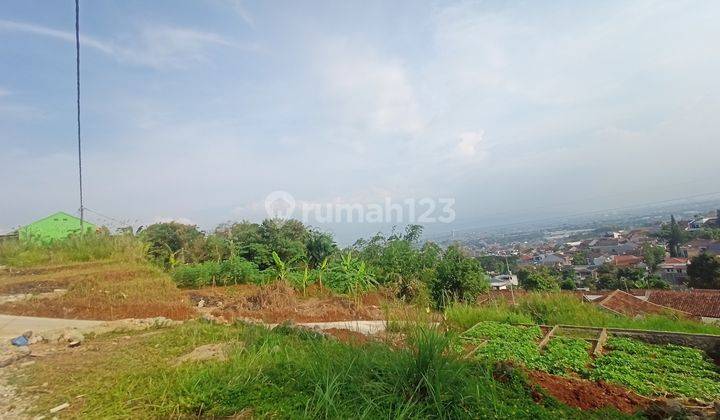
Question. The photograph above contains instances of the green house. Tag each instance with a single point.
(56, 226)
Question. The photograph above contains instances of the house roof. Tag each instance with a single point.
(702, 302)
(626, 260)
(60, 214)
(627, 304)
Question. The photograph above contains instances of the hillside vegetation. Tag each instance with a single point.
(289, 373)
(560, 308)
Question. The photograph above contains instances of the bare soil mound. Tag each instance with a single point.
(278, 302)
(589, 395)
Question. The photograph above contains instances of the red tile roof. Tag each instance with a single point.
(672, 260)
(626, 260)
(627, 304)
(697, 302)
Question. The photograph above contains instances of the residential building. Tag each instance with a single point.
(674, 270)
(504, 281)
(56, 226)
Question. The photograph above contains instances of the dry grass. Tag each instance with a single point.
(278, 302)
(96, 290)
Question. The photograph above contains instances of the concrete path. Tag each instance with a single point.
(363, 327)
(12, 325)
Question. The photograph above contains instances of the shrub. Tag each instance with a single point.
(173, 243)
(539, 278)
(349, 275)
(457, 278)
(236, 270)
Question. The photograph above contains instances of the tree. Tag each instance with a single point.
(540, 279)
(246, 241)
(653, 255)
(413, 233)
(580, 258)
(569, 279)
(458, 278)
(498, 264)
(654, 282)
(675, 237)
(704, 272)
(320, 245)
(170, 243)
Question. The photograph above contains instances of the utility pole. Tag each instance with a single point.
(512, 294)
(79, 142)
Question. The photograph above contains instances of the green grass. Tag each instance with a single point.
(559, 308)
(655, 370)
(74, 249)
(287, 374)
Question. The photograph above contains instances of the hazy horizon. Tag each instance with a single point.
(196, 111)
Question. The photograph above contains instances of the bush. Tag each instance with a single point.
(539, 278)
(172, 243)
(458, 278)
(349, 275)
(236, 270)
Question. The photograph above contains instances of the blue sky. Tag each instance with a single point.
(196, 110)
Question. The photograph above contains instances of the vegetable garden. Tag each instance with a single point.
(648, 369)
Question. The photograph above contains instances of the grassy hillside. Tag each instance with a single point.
(285, 373)
(95, 290)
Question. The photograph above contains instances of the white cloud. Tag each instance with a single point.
(67, 36)
(156, 46)
(370, 92)
(11, 111)
(242, 11)
(165, 46)
(471, 145)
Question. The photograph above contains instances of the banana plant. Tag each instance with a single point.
(323, 268)
(306, 276)
(280, 266)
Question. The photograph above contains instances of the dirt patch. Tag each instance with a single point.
(33, 287)
(80, 309)
(347, 336)
(278, 302)
(203, 353)
(589, 395)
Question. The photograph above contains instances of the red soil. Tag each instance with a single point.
(347, 336)
(589, 395)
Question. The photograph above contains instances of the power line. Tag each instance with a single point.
(121, 223)
(79, 142)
